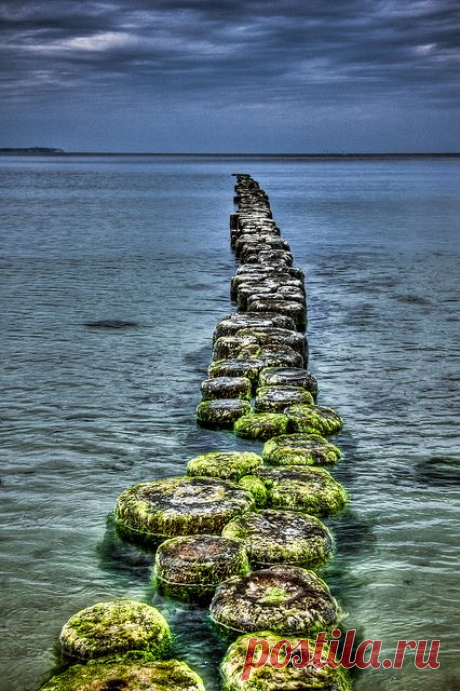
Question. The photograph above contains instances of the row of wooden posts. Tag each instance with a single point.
(241, 531)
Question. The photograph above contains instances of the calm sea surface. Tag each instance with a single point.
(87, 412)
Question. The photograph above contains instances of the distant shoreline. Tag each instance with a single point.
(30, 150)
(44, 151)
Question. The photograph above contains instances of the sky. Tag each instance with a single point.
(288, 76)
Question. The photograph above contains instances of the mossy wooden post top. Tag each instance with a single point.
(284, 599)
(282, 537)
(269, 678)
(117, 626)
(127, 673)
(156, 510)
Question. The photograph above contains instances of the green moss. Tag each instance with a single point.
(115, 627)
(221, 413)
(277, 398)
(282, 537)
(273, 336)
(313, 420)
(279, 356)
(127, 675)
(285, 599)
(274, 596)
(226, 387)
(289, 376)
(289, 678)
(309, 489)
(227, 465)
(153, 511)
(140, 656)
(257, 489)
(190, 568)
(300, 449)
(241, 320)
(250, 353)
(290, 308)
(230, 346)
(261, 425)
(235, 368)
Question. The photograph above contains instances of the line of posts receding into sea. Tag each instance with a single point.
(241, 532)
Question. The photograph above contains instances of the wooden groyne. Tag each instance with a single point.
(242, 531)
(259, 385)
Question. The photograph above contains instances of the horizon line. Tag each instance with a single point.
(54, 151)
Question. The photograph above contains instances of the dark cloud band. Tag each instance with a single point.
(288, 51)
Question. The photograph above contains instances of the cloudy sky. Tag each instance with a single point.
(236, 76)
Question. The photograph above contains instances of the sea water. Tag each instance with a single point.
(141, 244)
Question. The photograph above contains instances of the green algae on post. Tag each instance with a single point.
(127, 674)
(284, 599)
(257, 489)
(227, 465)
(289, 376)
(282, 537)
(277, 398)
(313, 420)
(309, 489)
(288, 678)
(230, 346)
(241, 320)
(261, 425)
(279, 356)
(283, 337)
(153, 511)
(221, 413)
(190, 568)
(289, 308)
(226, 387)
(115, 627)
(300, 449)
(235, 368)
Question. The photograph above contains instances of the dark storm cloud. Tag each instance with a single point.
(220, 53)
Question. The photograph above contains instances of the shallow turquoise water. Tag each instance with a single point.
(87, 412)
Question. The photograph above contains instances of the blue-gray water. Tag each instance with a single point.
(86, 412)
